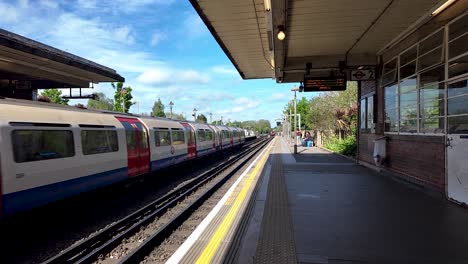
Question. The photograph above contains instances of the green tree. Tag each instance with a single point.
(101, 102)
(179, 117)
(122, 97)
(158, 109)
(201, 118)
(55, 96)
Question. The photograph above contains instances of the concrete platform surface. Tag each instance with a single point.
(344, 213)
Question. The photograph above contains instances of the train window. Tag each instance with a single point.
(34, 145)
(162, 137)
(208, 135)
(178, 137)
(99, 141)
(130, 136)
(201, 134)
(143, 136)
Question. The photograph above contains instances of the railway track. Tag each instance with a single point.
(99, 245)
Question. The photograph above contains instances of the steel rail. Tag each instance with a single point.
(108, 238)
(148, 245)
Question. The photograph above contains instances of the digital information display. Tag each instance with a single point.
(324, 84)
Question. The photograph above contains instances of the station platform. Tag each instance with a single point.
(317, 207)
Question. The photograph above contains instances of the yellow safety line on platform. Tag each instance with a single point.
(217, 238)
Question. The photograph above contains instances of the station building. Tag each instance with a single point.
(27, 65)
(416, 102)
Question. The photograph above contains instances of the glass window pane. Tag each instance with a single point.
(458, 67)
(408, 112)
(391, 124)
(143, 136)
(162, 138)
(458, 27)
(363, 113)
(409, 55)
(99, 141)
(457, 105)
(409, 125)
(178, 137)
(458, 88)
(130, 135)
(389, 78)
(432, 42)
(34, 145)
(431, 109)
(408, 70)
(390, 66)
(458, 124)
(432, 125)
(408, 85)
(391, 96)
(431, 92)
(432, 58)
(370, 111)
(432, 76)
(458, 46)
(408, 99)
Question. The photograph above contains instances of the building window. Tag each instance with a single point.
(35, 145)
(99, 141)
(367, 113)
(391, 108)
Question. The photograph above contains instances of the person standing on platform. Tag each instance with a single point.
(298, 136)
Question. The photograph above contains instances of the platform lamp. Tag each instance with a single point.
(171, 104)
(195, 114)
(295, 89)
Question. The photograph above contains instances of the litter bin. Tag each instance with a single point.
(380, 150)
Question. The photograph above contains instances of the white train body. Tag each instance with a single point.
(50, 152)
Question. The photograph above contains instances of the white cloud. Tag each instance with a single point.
(124, 34)
(8, 13)
(224, 69)
(157, 37)
(120, 6)
(166, 76)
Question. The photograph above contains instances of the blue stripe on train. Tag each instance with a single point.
(35, 197)
(162, 163)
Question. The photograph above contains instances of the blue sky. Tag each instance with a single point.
(161, 47)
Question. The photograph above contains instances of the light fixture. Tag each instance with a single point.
(443, 7)
(281, 35)
(267, 4)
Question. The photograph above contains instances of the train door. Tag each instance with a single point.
(191, 143)
(137, 146)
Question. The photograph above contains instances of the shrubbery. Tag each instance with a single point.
(345, 146)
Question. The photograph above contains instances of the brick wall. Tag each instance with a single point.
(420, 158)
(366, 147)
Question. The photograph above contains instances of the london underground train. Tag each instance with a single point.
(49, 152)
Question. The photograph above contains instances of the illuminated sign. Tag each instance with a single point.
(324, 84)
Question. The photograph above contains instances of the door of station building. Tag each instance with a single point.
(137, 146)
(457, 141)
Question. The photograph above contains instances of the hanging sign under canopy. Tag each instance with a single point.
(324, 84)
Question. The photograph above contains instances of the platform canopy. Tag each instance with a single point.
(320, 32)
(23, 59)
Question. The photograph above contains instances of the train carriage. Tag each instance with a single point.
(49, 152)
(167, 141)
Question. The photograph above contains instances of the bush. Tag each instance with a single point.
(345, 146)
